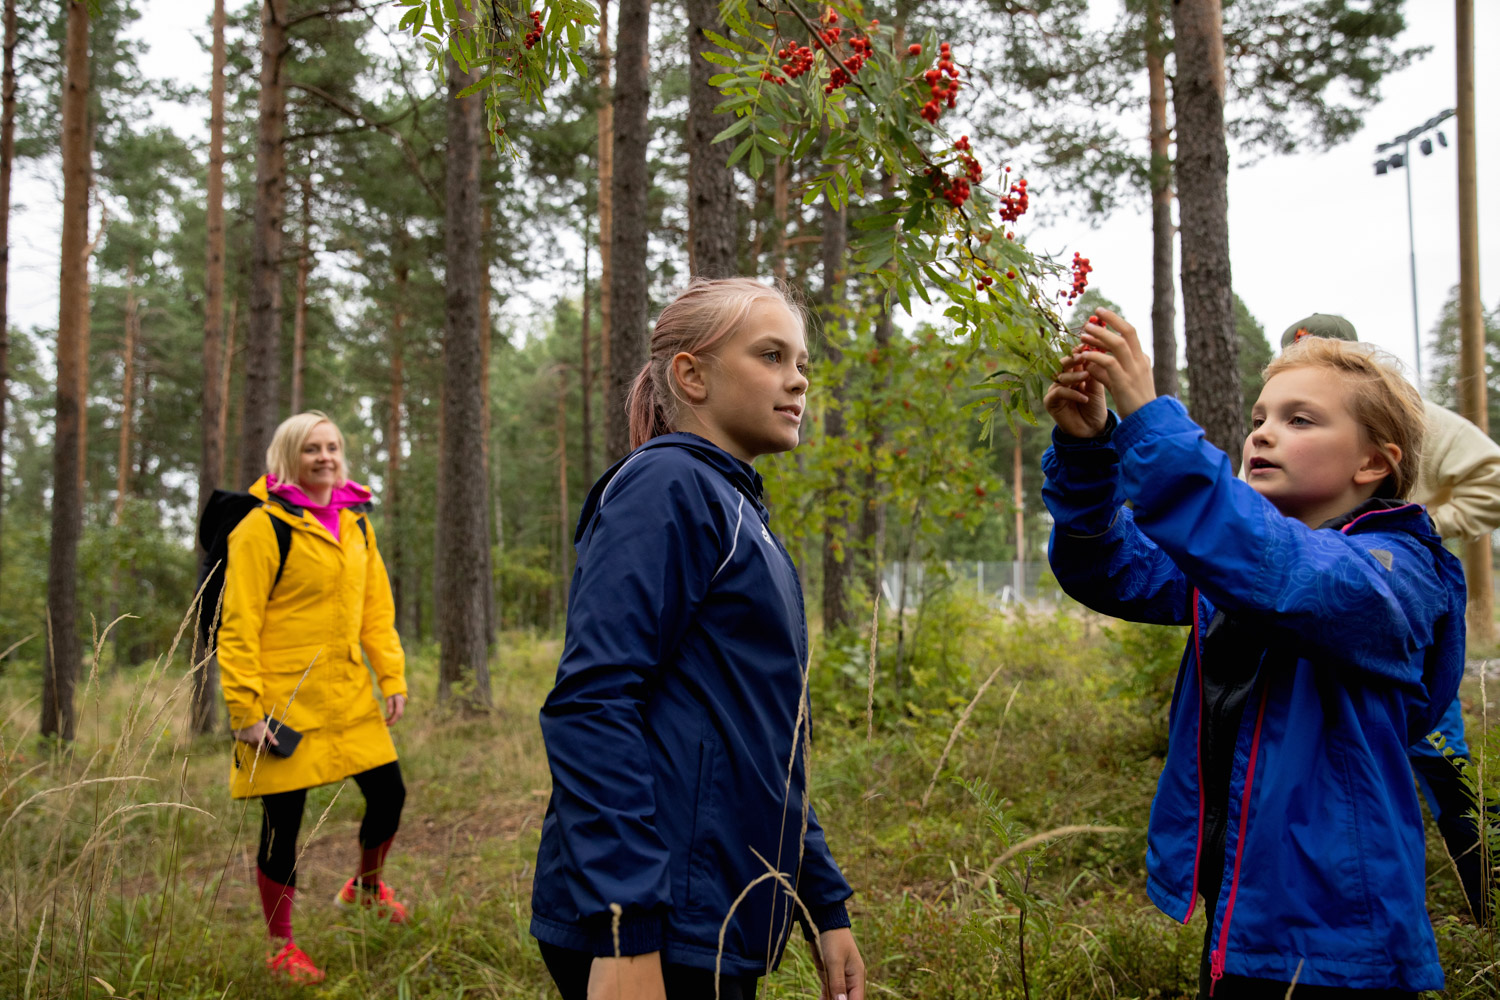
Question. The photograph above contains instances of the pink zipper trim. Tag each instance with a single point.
(1373, 513)
(1216, 957)
(1198, 850)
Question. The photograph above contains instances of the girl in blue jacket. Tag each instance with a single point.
(1327, 637)
(678, 827)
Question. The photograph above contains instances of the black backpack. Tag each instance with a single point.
(224, 510)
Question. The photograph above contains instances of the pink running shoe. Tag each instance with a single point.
(293, 963)
(383, 900)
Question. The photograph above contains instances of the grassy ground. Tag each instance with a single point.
(125, 870)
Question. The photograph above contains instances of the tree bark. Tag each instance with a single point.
(564, 528)
(226, 374)
(394, 532)
(780, 202)
(629, 282)
(872, 510)
(585, 371)
(837, 560)
(712, 209)
(7, 162)
(1203, 180)
(486, 334)
(1163, 289)
(127, 393)
(205, 674)
(1472, 388)
(64, 652)
(609, 412)
(299, 313)
(261, 404)
(211, 461)
(463, 530)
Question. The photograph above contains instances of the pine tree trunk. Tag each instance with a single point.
(226, 379)
(261, 405)
(1202, 184)
(585, 371)
(299, 312)
(205, 669)
(486, 333)
(64, 652)
(630, 303)
(394, 528)
(564, 527)
(7, 162)
(1163, 290)
(611, 409)
(463, 530)
(127, 393)
(712, 210)
(780, 202)
(837, 561)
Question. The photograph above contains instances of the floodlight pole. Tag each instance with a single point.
(1411, 240)
(1402, 161)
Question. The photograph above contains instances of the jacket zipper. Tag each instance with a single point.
(1198, 850)
(1216, 957)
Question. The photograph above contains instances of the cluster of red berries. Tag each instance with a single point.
(1015, 202)
(956, 191)
(942, 81)
(966, 157)
(1081, 269)
(799, 59)
(850, 68)
(535, 34)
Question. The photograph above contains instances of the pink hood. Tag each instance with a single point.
(350, 494)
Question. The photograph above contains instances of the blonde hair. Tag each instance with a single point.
(1386, 406)
(705, 315)
(284, 456)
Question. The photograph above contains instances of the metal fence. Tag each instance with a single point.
(1000, 583)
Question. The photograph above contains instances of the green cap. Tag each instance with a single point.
(1319, 325)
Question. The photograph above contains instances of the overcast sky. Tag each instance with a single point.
(1308, 233)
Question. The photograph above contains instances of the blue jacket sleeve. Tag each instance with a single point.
(644, 568)
(1099, 556)
(1328, 590)
(821, 886)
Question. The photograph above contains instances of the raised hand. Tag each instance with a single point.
(1111, 355)
(1076, 402)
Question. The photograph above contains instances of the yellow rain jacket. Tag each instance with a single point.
(292, 651)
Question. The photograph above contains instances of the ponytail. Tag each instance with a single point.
(648, 418)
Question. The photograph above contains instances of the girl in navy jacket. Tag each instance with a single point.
(1327, 637)
(678, 827)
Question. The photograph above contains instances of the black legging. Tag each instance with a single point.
(384, 793)
(570, 971)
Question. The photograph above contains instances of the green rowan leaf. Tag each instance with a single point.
(732, 130)
(740, 150)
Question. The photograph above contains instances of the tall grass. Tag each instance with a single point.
(127, 871)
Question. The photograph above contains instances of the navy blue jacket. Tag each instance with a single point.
(1361, 650)
(673, 732)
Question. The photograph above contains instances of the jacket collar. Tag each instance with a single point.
(1397, 515)
(740, 474)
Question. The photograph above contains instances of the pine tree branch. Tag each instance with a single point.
(360, 116)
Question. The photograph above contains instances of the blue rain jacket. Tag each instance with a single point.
(674, 725)
(1451, 725)
(1363, 649)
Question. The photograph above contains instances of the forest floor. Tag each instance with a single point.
(160, 900)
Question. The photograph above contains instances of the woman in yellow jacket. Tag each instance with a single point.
(290, 650)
